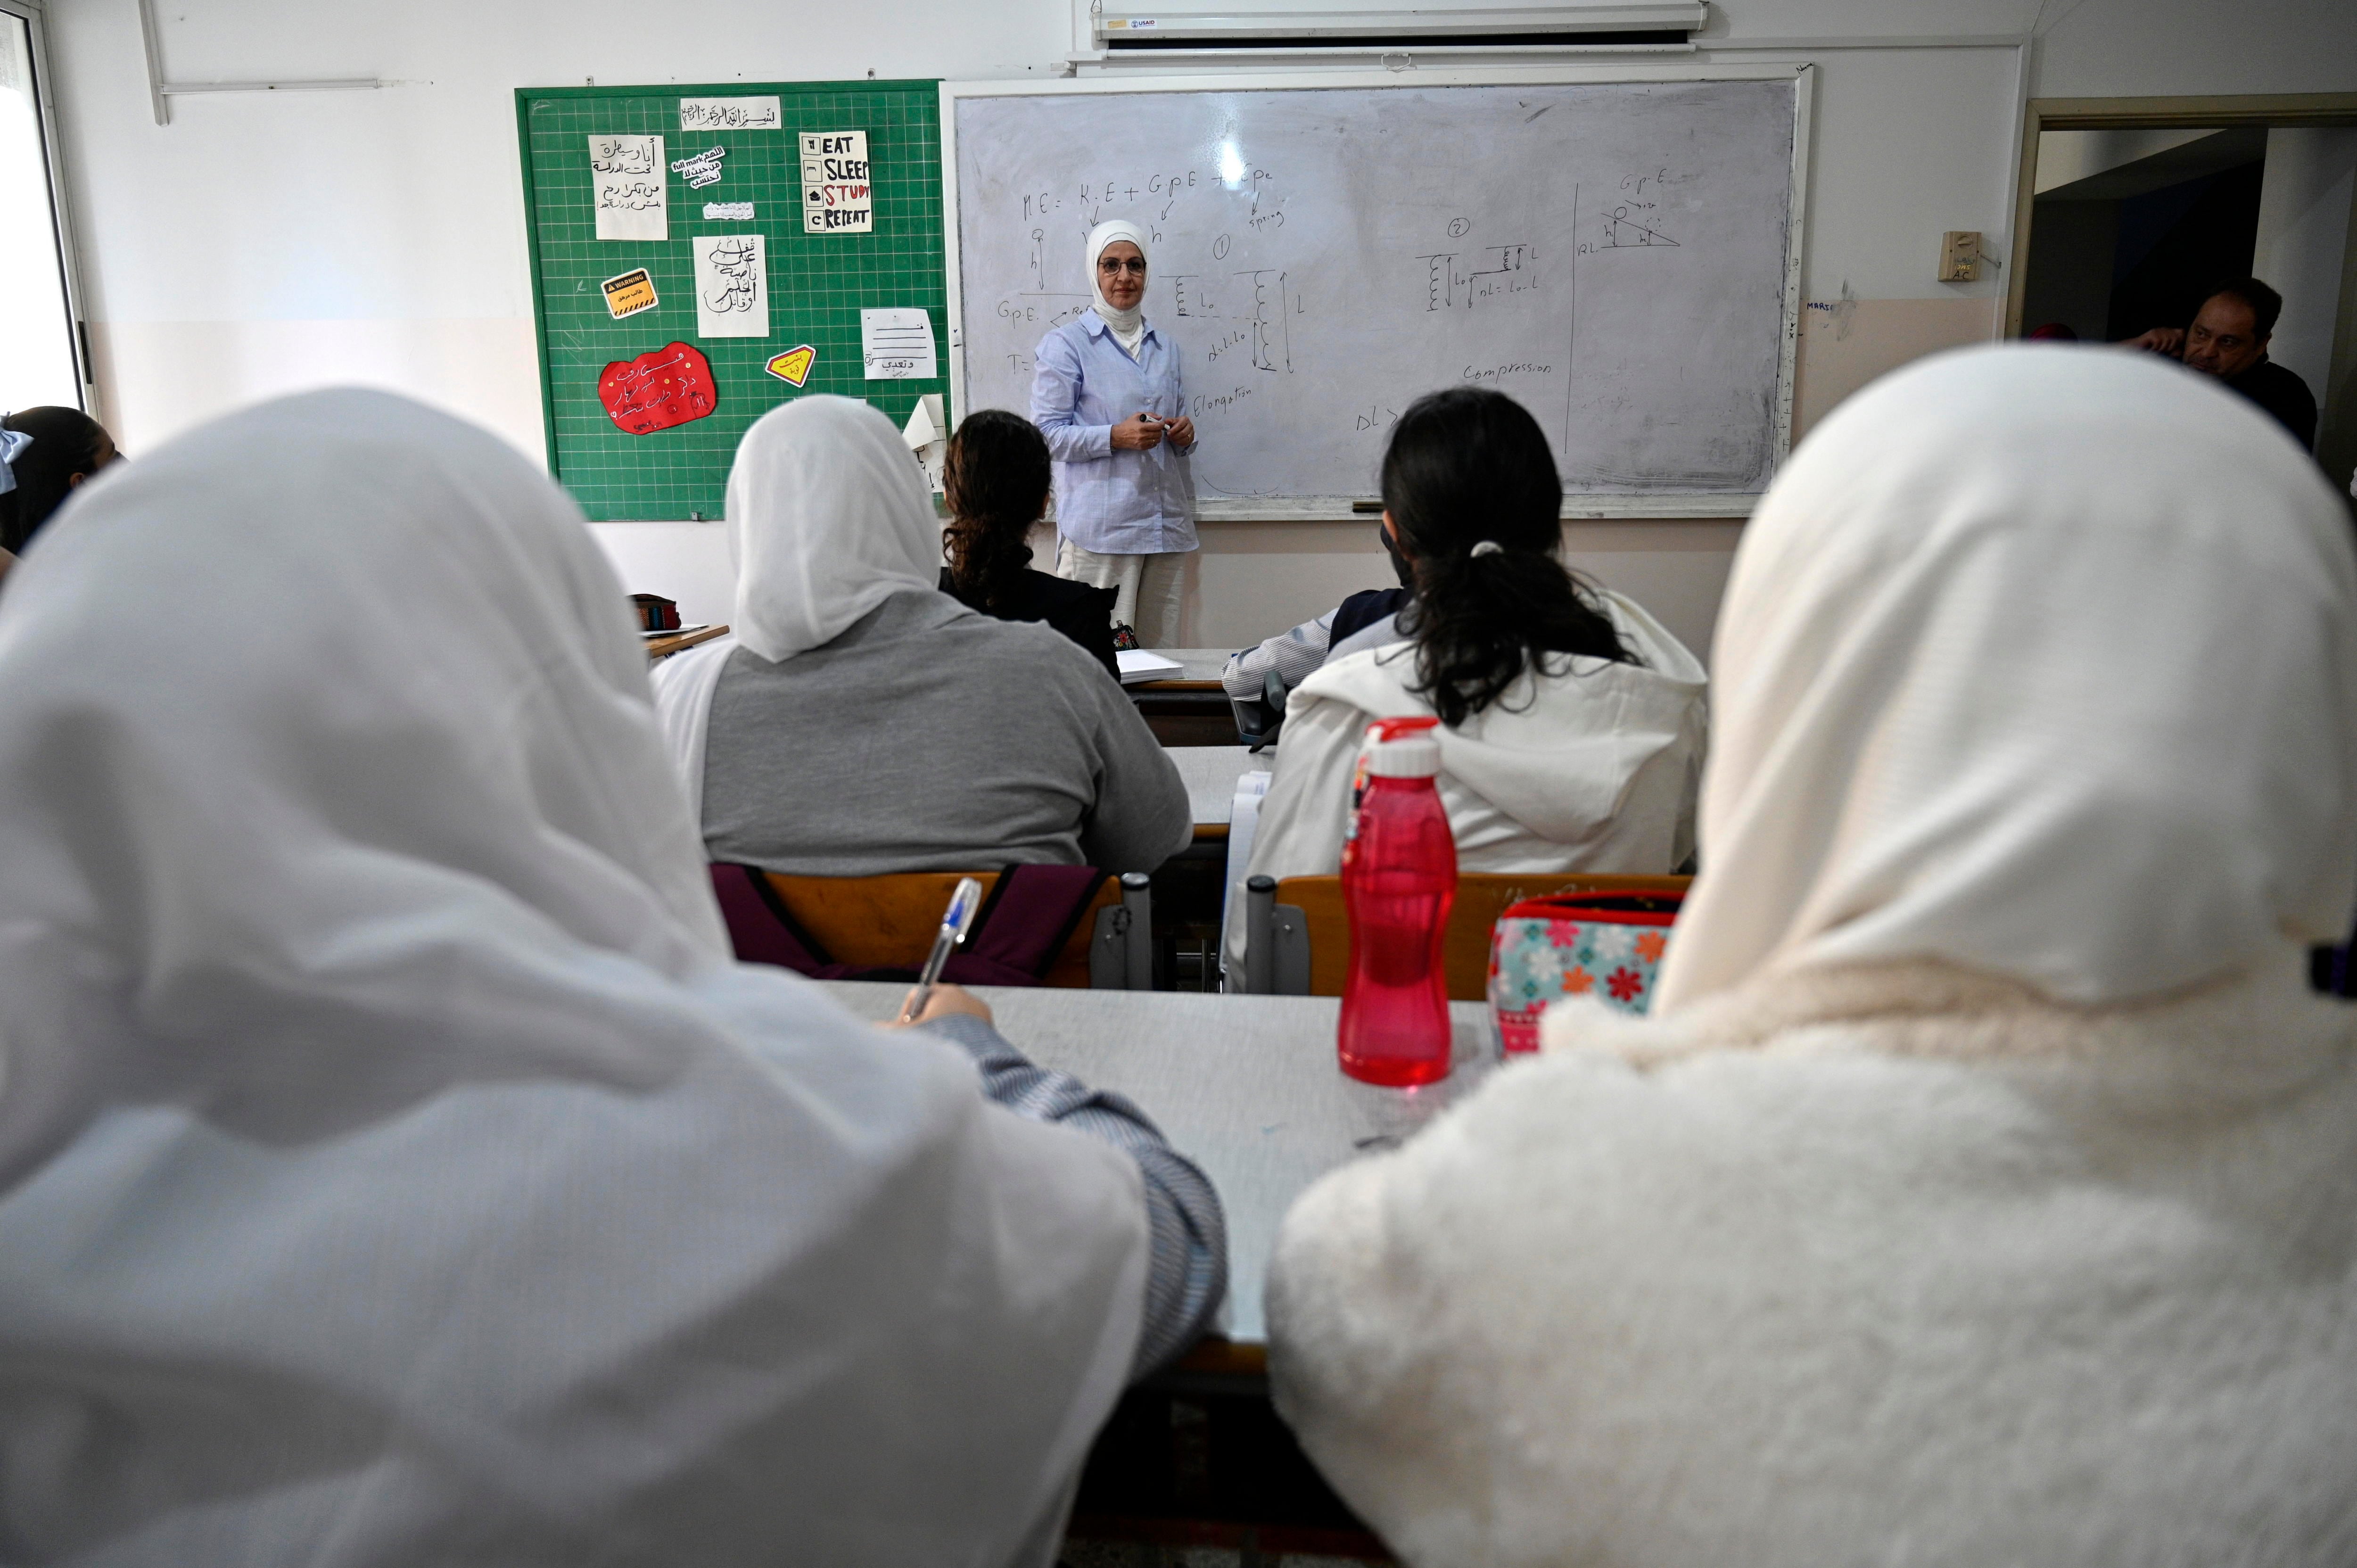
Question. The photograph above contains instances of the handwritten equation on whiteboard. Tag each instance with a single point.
(1613, 256)
(836, 196)
(627, 176)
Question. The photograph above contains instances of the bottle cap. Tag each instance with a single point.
(1415, 756)
(1397, 729)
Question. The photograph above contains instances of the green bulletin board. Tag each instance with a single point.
(818, 284)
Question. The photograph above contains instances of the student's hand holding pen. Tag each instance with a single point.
(946, 998)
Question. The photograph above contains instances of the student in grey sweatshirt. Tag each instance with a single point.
(860, 721)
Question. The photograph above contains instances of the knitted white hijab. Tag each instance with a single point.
(2040, 660)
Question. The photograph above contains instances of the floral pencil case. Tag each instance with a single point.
(1605, 945)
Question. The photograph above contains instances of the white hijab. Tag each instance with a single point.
(2040, 660)
(394, 1164)
(828, 517)
(1127, 325)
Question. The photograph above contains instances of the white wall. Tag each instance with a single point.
(265, 242)
(2304, 205)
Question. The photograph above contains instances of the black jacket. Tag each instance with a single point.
(1079, 612)
(2282, 394)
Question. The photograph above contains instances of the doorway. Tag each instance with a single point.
(2128, 212)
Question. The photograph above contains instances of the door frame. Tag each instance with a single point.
(2336, 428)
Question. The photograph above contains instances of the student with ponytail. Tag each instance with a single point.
(1571, 722)
(997, 479)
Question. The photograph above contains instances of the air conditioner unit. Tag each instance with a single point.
(1660, 25)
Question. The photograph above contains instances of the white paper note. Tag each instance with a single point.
(626, 172)
(701, 170)
(897, 345)
(732, 286)
(836, 196)
(720, 211)
(730, 114)
(926, 438)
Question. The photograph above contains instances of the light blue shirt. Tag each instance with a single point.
(1115, 503)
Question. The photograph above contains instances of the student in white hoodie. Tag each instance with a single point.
(1983, 1187)
(1572, 722)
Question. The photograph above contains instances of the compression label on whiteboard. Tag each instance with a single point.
(837, 198)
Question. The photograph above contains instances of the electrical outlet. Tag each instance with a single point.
(1960, 257)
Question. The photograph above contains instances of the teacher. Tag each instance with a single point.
(1106, 395)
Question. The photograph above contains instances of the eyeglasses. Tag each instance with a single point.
(1117, 264)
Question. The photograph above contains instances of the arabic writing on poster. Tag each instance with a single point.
(701, 170)
(721, 211)
(838, 197)
(730, 114)
(672, 385)
(627, 174)
(897, 345)
(732, 286)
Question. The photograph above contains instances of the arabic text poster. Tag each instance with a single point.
(669, 386)
(836, 196)
(627, 174)
(730, 114)
(732, 286)
(897, 345)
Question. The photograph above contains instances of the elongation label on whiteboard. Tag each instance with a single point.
(836, 196)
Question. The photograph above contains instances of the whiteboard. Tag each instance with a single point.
(1621, 257)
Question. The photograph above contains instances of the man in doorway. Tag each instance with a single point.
(2229, 340)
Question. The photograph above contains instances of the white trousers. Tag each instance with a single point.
(1151, 587)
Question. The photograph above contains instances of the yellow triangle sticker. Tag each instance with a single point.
(793, 366)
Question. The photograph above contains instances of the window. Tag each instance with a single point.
(40, 356)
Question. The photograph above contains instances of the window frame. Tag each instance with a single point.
(34, 14)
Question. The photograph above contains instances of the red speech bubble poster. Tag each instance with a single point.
(656, 390)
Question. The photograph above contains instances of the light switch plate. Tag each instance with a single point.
(1960, 257)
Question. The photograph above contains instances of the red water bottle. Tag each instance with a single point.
(1399, 877)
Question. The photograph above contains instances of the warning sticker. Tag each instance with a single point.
(628, 293)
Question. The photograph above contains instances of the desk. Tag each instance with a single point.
(1245, 1086)
(1189, 708)
(1199, 669)
(664, 646)
(1210, 772)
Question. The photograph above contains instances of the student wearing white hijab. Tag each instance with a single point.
(1106, 391)
(860, 721)
(1984, 1190)
(394, 1166)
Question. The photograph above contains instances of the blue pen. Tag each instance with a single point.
(956, 920)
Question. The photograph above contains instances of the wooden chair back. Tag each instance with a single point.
(889, 921)
(1482, 898)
